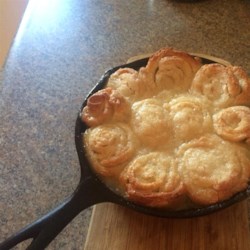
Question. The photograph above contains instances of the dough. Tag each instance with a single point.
(190, 117)
(109, 147)
(105, 105)
(128, 84)
(217, 83)
(150, 122)
(153, 180)
(213, 169)
(233, 123)
(169, 69)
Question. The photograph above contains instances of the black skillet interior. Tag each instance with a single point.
(111, 196)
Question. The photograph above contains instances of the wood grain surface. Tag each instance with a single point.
(114, 227)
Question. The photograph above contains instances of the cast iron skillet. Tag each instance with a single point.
(91, 190)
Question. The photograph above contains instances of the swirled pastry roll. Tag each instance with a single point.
(169, 69)
(222, 85)
(233, 123)
(153, 180)
(105, 105)
(243, 81)
(128, 84)
(109, 147)
(213, 169)
(190, 117)
(150, 122)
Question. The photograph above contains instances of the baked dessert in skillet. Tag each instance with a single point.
(172, 134)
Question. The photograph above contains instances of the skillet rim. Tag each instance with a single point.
(111, 195)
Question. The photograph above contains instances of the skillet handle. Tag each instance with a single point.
(45, 229)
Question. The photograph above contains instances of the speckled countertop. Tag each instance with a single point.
(60, 51)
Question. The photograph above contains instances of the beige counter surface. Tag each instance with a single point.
(11, 13)
(60, 52)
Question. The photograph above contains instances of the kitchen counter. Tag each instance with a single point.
(61, 50)
(11, 12)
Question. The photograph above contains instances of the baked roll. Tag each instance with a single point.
(212, 169)
(243, 81)
(233, 123)
(153, 180)
(150, 122)
(109, 147)
(169, 69)
(128, 84)
(224, 86)
(190, 117)
(105, 105)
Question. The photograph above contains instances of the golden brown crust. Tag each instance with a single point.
(224, 86)
(153, 180)
(190, 117)
(169, 69)
(233, 123)
(213, 169)
(243, 81)
(128, 84)
(109, 147)
(148, 116)
(105, 105)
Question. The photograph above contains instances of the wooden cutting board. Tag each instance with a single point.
(113, 227)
